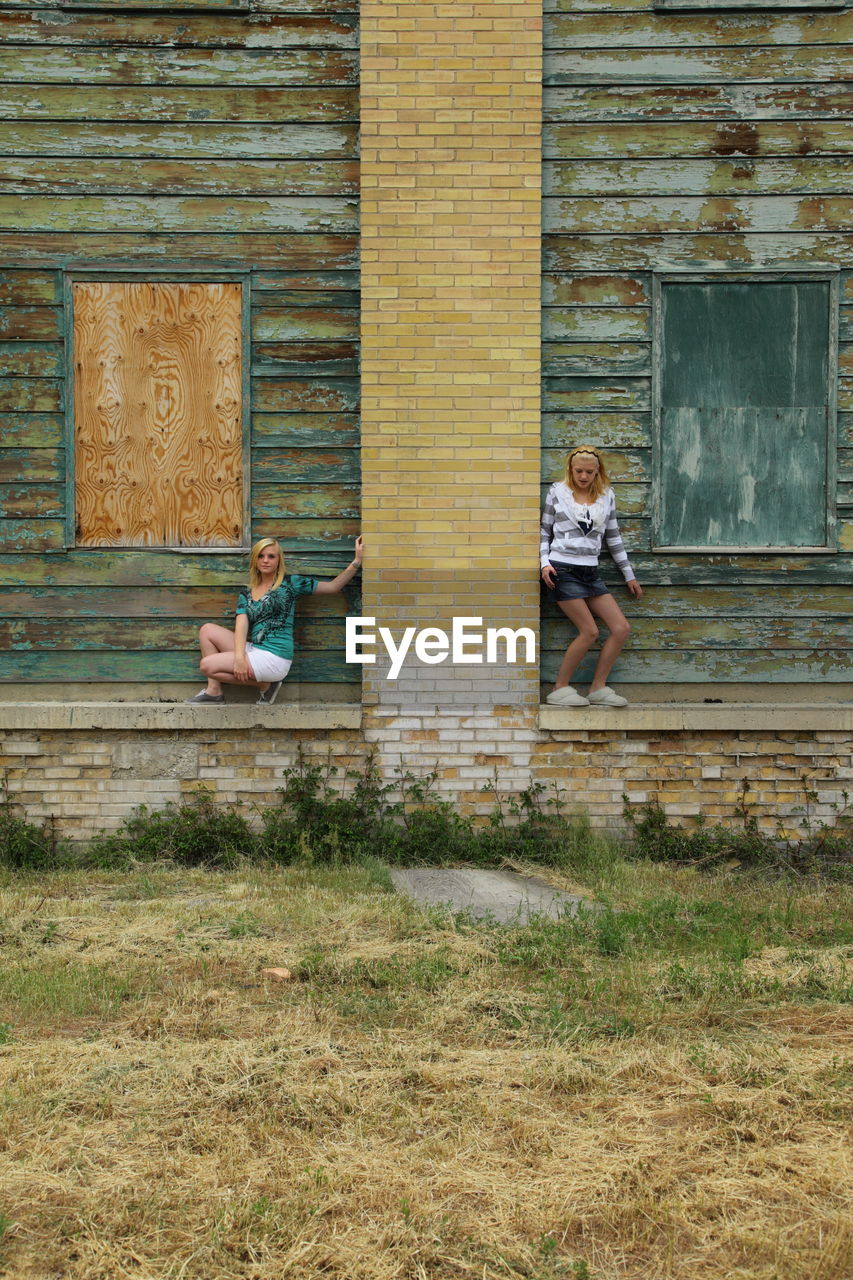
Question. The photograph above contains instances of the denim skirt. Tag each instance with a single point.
(578, 582)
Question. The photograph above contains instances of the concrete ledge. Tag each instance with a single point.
(172, 716)
(748, 717)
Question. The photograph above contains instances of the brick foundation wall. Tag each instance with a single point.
(90, 780)
(92, 776)
(701, 772)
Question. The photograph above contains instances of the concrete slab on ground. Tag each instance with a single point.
(503, 896)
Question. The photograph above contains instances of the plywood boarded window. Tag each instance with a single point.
(158, 414)
(744, 409)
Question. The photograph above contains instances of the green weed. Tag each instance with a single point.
(245, 925)
(198, 832)
(27, 846)
(825, 848)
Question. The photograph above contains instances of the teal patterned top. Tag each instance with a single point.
(271, 617)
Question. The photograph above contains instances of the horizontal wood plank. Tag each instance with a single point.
(668, 65)
(285, 31)
(152, 665)
(671, 215)
(688, 5)
(802, 603)
(598, 290)
(605, 430)
(594, 359)
(334, 293)
(177, 251)
(194, 605)
(306, 430)
(661, 139)
(717, 632)
(19, 501)
(139, 569)
(231, 7)
(305, 467)
(587, 324)
(225, 101)
(213, 139)
(302, 6)
(592, 393)
(30, 395)
(32, 359)
(588, 6)
(31, 535)
(684, 251)
(311, 542)
(96, 635)
(759, 569)
(710, 30)
(296, 324)
(305, 359)
(33, 324)
(177, 213)
(328, 395)
(33, 430)
(724, 667)
(681, 177)
(29, 288)
(132, 176)
(750, 103)
(21, 466)
(168, 65)
(276, 501)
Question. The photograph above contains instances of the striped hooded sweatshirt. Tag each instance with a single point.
(572, 532)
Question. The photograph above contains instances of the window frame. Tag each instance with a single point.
(828, 275)
(157, 275)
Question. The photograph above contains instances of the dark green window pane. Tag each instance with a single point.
(744, 408)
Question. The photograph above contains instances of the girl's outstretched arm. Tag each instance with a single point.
(346, 575)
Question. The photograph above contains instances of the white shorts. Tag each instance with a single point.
(266, 665)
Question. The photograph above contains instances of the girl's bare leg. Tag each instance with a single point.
(219, 669)
(577, 611)
(215, 641)
(217, 659)
(606, 608)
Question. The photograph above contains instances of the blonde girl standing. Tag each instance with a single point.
(579, 515)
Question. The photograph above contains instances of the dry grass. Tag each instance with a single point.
(427, 1099)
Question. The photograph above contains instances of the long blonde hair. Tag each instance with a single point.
(601, 479)
(254, 572)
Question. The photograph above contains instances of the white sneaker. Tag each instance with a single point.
(606, 697)
(567, 697)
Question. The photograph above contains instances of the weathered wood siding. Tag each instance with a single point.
(694, 139)
(212, 141)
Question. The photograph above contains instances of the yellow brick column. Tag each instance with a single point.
(451, 188)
